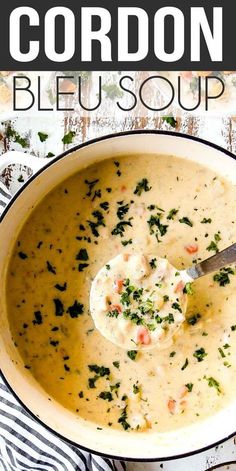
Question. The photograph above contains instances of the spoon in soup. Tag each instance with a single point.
(139, 301)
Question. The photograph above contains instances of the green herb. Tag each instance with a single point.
(136, 388)
(212, 247)
(66, 367)
(189, 387)
(186, 220)
(188, 289)
(223, 276)
(38, 318)
(108, 267)
(91, 185)
(99, 221)
(156, 227)
(54, 343)
(115, 387)
(61, 287)
(92, 382)
(113, 313)
(172, 213)
(123, 419)
(200, 354)
(11, 133)
(226, 346)
(143, 185)
(75, 310)
(212, 383)
(59, 308)
(82, 255)
(42, 136)
(185, 364)
(132, 354)
(193, 319)
(20, 179)
(119, 229)
(170, 120)
(106, 396)
(172, 354)
(122, 210)
(165, 298)
(177, 307)
(112, 91)
(22, 255)
(233, 328)
(51, 268)
(206, 221)
(99, 370)
(81, 394)
(49, 154)
(68, 138)
(105, 205)
(116, 364)
(126, 242)
(170, 318)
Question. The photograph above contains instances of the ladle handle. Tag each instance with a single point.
(214, 263)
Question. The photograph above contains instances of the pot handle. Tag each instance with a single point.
(20, 158)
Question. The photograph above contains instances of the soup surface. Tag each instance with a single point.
(162, 205)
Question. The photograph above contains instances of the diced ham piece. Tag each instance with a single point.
(191, 248)
(143, 336)
(118, 286)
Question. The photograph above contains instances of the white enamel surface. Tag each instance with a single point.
(129, 445)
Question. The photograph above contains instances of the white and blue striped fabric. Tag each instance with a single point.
(25, 445)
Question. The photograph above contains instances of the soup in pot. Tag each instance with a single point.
(158, 204)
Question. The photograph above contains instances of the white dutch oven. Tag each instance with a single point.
(118, 444)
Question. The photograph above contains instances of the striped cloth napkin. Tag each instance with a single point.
(25, 445)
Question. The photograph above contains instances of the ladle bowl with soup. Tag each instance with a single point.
(164, 194)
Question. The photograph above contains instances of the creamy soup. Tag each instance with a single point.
(161, 205)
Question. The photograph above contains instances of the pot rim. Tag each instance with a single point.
(5, 213)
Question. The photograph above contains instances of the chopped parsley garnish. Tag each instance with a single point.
(170, 318)
(123, 419)
(91, 185)
(200, 354)
(185, 364)
(42, 136)
(177, 307)
(156, 227)
(50, 154)
(99, 221)
(82, 255)
(188, 289)
(22, 255)
(59, 308)
(119, 229)
(99, 370)
(116, 364)
(105, 205)
(108, 267)
(81, 394)
(192, 320)
(75, 310)
(172, 214)
(186, 220)
(189, 387)
(223, 276)
(82, 266)
(170, 120)
(136, 388)
(206, 221)
(126, 242)
(113, 313)
(166, 298)
(115, 387)
(132, 354)
(38, 318)
(233, 328)
(212, 383)
(106, 396)
(68, 138)
(11, 133)
(122, 210)
(222, 354)
(143, 185)
(61, 287)
(172, 354)
(51, 268)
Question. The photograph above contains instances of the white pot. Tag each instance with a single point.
(128, 445)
